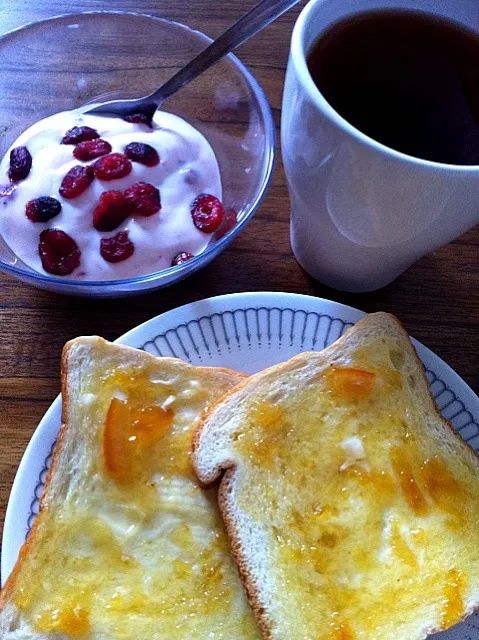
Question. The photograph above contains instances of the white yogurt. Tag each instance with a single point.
(187, 168)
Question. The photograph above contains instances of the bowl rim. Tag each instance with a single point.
(183, 270)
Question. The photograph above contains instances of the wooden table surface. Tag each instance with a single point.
(437, 298)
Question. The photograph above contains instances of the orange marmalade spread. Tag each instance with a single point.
(366, 521)
(137, 549)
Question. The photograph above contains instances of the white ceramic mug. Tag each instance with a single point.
(361, 213)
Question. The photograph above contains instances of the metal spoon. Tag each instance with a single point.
(260, 16)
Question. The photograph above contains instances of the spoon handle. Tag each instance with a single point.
(257, 18)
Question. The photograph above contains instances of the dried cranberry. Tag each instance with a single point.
(90, 149)
(20, 164)
(79, 134)
(59, 253)
(118, 248)
(76, 181)
(142, 153)
(229, 221)
(112, 167)
(111, 210)
(207, 213)
(144, 199)
(42, 209)
(184, 256)
(137, 118)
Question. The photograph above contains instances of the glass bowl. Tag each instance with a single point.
(69, 61)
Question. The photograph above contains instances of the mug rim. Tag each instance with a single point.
(298, 59)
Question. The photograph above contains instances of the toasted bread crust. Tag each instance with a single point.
(252, 590)
(6, 594)
(226, 471)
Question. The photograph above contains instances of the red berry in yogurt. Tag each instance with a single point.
(77, 180)
(143, 198)
(137, 118)
(142, 153)
(112, 209)
(229, 221)
(59, 253)
(91, 149)
(42, 209)
(79, 134)
(117, 248)
(112, 167)
(207, 213)
(184, 256)
(20, 164)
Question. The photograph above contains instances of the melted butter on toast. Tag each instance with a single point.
(367, 518)
(137, 549)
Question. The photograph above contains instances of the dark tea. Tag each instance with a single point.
(406, 79)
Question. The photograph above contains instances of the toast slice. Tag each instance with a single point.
(127, 544)
(351, 505)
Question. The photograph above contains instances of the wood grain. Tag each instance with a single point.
(437, 299)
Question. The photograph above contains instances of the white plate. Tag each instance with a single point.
(247, 332)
